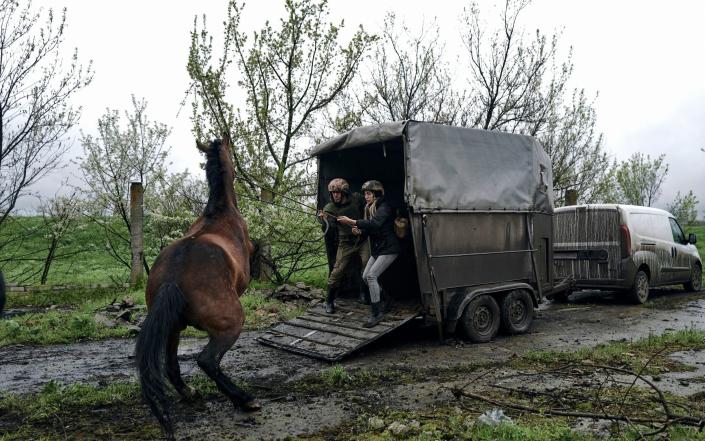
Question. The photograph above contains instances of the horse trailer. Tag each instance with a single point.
(479, 256)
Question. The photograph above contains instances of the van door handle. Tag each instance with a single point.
(673, 251)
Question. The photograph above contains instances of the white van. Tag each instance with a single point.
(608, 246)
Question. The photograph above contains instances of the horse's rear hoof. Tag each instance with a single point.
(251, 406)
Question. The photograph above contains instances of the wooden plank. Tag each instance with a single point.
(340, 322)
(360, 335)
(318, 336)
(307, 348)
(332, 336)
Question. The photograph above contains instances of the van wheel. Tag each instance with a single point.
(480, 320)
(639, 292)
(517, 312)
(696, 280)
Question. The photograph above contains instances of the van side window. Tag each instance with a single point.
(678, 235)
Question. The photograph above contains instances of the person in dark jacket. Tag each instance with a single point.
(384, 245)
(344, 203)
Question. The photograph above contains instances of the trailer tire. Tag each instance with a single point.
(481, 318)
(517, 312)
(639, 292)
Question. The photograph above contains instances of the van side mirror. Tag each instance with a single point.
(692, 238)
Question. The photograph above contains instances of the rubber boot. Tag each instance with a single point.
(330, 301)
(364, 293)
(376, 316)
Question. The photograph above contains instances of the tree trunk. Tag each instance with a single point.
(136, 233)
(49, 260)
(265, 251)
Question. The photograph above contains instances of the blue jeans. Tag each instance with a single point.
(374, 268)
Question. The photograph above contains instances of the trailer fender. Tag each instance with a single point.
(463, 296)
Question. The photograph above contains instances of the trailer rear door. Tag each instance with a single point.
(587, 244)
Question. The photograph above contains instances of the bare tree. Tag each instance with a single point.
(519, 85)
(60, 215)
(35, 89)
(410, 77)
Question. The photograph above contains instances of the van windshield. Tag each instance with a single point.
(678, 235)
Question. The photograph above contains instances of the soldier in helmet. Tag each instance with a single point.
(350, 243)
(378, 222)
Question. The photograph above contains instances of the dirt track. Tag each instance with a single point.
(589, 319)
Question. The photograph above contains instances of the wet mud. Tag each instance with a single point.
(588, 319)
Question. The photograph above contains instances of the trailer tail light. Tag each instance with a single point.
(626, 241)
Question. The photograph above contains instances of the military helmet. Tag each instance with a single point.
(339, 184)
(373, 186)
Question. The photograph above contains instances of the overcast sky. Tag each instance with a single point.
(644, 58)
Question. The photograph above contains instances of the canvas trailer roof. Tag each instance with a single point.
(459, 169)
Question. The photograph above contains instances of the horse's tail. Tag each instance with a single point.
(2, 293)
(162, 320)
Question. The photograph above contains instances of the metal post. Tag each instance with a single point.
(432, 275)
(136, 232)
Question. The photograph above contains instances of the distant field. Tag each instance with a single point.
(89, 262)
(87, 259)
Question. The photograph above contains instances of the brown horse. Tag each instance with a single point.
(197, 281)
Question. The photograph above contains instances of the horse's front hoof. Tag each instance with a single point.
(251, 406)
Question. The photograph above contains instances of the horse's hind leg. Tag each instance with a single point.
(173, 370)
(209, 361)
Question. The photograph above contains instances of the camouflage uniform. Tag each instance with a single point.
(349, 245)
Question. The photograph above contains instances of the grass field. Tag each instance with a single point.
(87, 260)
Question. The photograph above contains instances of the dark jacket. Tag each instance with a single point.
(380, 228)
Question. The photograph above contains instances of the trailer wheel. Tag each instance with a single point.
(639, 292)
(480, 320)
(517, 312)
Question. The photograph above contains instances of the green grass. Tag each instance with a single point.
(56, 397)
(73, 319)
(88, 261)
(631, 354)
(461, 424)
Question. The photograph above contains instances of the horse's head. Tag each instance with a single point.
(219, 149)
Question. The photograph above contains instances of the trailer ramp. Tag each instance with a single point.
(331, 337)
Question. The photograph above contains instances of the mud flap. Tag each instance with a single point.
(331, 337)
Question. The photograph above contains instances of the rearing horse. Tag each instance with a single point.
(197, 281)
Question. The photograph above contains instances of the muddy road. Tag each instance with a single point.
(589, 319)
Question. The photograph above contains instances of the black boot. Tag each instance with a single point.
(330, 301)
(364, 293)
(376, 316)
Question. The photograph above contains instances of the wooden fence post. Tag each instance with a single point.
(136, 233)
(571, 197)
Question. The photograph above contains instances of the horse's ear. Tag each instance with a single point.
(201, 146)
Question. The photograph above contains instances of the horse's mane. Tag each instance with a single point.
(216, 179)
